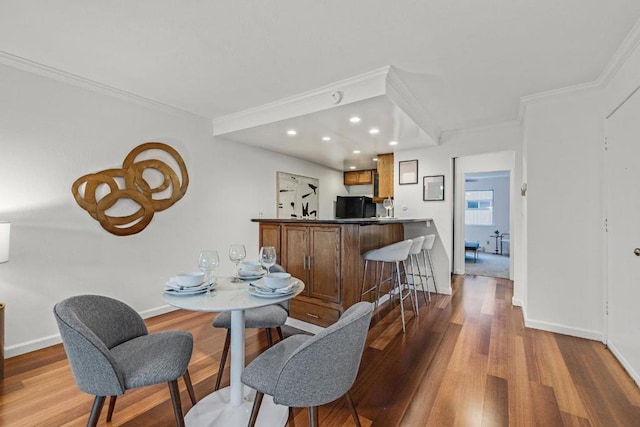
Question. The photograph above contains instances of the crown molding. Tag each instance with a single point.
(382, 81)
(92, 85)
(353, 89)
(624, 51)
(619, 58)
(555, 93)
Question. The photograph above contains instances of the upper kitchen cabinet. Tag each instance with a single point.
(385, 178)
(343, 125)
(363, 177)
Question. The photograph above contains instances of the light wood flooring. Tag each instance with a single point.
(466, 360)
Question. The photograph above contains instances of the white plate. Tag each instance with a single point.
(185, 292)
(173, 284)
(276, 294)
(174, 289)
(250, 275)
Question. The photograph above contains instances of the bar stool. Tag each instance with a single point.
(392, 254)
(414, 251)
(429, 239)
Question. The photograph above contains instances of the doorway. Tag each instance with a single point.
(487, 229)
(482, 171)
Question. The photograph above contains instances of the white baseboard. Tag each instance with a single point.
(40, 343)
(627, 367)
(516, 302)
(562, 329)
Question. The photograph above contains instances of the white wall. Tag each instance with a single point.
(501, 221)
(438, 161)
(51, 133)
(564, 139)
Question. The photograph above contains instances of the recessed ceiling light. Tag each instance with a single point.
(374, 131)
(375, 159)
(326, 138)
(355, 119)
(352, 167)
(291, 132)
(393, 143)
(356, 151)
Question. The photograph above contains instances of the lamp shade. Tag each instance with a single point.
(5, 233)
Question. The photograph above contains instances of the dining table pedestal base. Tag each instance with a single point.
(216, 410)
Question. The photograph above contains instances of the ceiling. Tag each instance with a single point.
(468, 62)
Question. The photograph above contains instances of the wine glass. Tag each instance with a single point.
(237, 254)
(388, 205)
(267, 257)
(208, 261)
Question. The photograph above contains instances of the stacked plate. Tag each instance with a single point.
(173, 288)
(250, 274)
(258, 289)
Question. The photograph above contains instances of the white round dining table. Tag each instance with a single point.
(231, 405)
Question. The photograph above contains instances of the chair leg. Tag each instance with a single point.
(400, 294)
(433, 277)
(279, 330)
(313, 416)
(223, 359)
(175, 400)
(98, 403)
(112, 406)
(352, 408)
(426, 279)
(187, 381)
(269, 337)
(257, 401)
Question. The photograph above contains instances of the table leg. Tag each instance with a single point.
(237, 357)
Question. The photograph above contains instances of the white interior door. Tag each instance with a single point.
(623, 236)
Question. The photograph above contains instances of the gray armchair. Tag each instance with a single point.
(110, 351)
(308, 371)
(267, 317)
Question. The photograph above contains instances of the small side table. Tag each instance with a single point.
(497, 237)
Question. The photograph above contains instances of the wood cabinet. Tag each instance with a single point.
(327, 256)
(359, 177)
(385, 177)
(312, 253)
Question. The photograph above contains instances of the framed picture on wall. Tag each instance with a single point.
(408, 172)
(297, 196)
(433, 188)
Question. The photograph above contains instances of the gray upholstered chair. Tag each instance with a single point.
(267, 317)
(110, 351)
(308, 371)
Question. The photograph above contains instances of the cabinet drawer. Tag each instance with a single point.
(312, 313)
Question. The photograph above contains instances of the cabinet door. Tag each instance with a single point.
(270, 236)
(295, 243)
(324, 250)
(365, 177)
(351, 178)
(385, 176)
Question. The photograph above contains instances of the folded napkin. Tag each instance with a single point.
(172, 285)
(284, 290)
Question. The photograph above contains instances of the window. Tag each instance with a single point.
(478, 207)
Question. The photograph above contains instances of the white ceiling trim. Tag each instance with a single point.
(62, 76)
(382, 81)
(620, 57)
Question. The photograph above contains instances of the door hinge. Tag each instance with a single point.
(606, 143)
(606, 307)
(606, 225)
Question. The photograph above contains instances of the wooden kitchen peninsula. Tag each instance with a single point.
(327, 256)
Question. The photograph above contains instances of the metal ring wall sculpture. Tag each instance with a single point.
(136, 188)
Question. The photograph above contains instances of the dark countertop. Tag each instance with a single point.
(360, 221)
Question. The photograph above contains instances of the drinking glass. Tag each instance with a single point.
(208, 261)
(237, 254)
(388, 205)
(267, 257)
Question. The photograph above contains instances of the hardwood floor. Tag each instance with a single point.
(466, 360)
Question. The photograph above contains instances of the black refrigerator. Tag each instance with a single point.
(355, 207)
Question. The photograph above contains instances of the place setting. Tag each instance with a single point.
(274, 285)
(197, 282)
